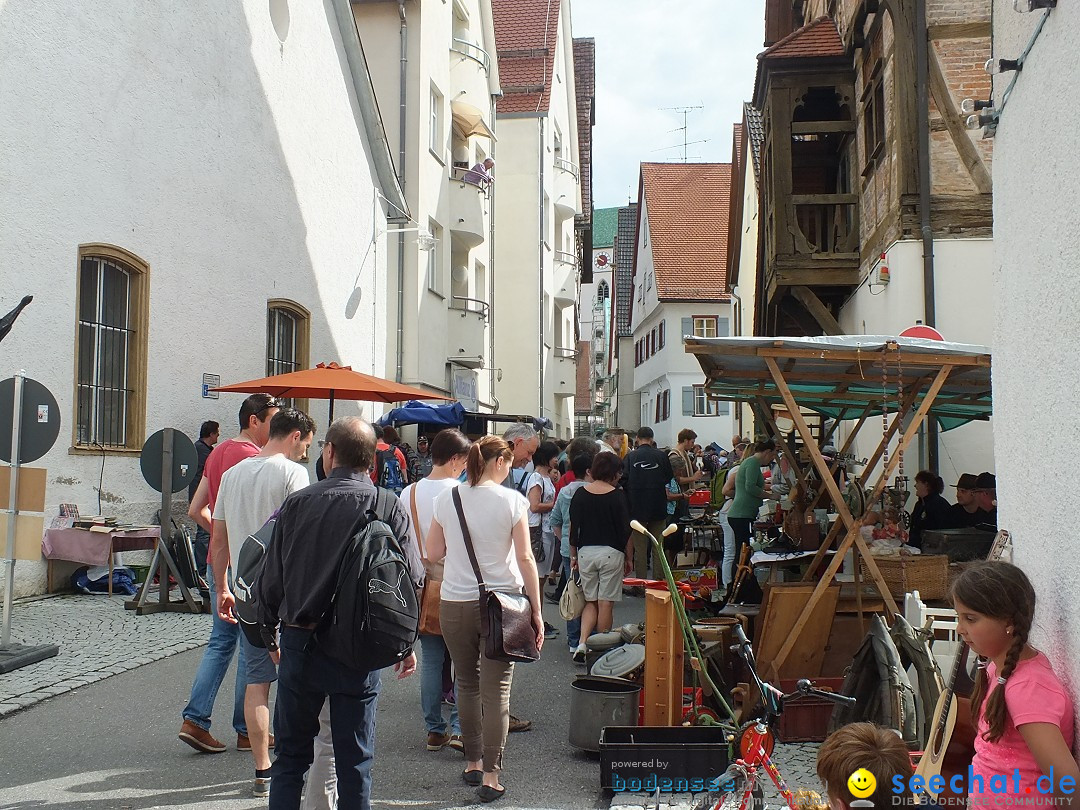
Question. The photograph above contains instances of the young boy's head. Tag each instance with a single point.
(862, 746)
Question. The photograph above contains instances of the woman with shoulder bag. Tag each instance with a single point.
(448, 453)
(494, 522)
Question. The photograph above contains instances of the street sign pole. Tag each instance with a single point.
(13, 508)
(15, 656)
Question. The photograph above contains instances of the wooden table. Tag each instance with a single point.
(94, 548)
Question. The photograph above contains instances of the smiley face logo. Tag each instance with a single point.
(862, 783)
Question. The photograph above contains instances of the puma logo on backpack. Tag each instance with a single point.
(374, 615)
(246, 574)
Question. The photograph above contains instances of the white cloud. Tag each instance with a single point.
(652, 55)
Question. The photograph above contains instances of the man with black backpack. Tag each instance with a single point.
(346, 606)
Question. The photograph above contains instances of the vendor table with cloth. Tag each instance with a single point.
(94, 548)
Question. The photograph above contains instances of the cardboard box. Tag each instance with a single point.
(698, 577)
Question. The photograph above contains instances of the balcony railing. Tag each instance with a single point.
(564, 257)
(472, 305)
(461, 173)
(567, 166)
(823, 225)
(472, 51)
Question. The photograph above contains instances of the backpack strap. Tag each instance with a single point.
(524, 480)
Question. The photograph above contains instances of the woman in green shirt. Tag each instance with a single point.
(750, 493)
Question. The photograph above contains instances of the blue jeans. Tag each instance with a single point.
(727, 563)
(201, 546)
(432, 654)
(212, 670)
(573, 627)
(306, 677)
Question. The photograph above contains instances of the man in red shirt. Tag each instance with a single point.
(382, 446)
(255, 416)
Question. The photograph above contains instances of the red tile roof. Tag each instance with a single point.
(815, 39)
(526, 33)
(688, 206)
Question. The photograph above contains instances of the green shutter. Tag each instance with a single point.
(687, 327)
(688, 399)
(722, 328)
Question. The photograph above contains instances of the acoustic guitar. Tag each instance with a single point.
(950, 744)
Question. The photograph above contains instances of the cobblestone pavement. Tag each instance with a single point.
(796, 762)
(97, 638)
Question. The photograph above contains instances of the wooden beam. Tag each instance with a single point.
(968, 30)
(813, 127)
(766, 411)
(817, 277)
(813, 305)
(946, 104)
(845, 516)
(824, 199)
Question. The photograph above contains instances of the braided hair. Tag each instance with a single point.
(999, 590)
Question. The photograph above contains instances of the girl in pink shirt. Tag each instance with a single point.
(1022, 713)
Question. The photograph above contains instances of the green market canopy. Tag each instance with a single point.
(848, 376)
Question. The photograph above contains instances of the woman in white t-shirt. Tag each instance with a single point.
(497, 518)
(448, 454)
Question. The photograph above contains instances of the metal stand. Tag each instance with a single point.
(162, 561)
(13, 655)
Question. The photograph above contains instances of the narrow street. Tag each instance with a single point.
(112, 745)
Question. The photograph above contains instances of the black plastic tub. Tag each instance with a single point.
(671, 759)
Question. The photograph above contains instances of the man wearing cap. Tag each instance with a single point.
(986, 496)
(965, 513)
(422, 464)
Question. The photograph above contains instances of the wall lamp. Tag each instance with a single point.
(1025, 6)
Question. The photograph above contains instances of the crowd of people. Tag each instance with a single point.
(515, 513)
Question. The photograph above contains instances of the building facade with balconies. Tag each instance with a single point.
(538, 195)
(436, 78)
(594, 326)
(875, 200)
(679, 288)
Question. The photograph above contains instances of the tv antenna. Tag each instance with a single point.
(684, 129)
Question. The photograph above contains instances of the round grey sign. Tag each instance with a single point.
(39, 424)
(184, 460)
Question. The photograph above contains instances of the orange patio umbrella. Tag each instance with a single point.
(330, 381)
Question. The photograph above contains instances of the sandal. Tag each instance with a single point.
(473, 778)
(489, 794)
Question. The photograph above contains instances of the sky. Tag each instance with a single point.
(651, 55)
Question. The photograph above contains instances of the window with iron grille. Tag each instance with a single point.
(110, 369)
(286, 342)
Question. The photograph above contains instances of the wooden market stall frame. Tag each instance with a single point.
(829, 374)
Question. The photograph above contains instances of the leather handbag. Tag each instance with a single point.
(431, 597)
(572, 601)
(505, 618)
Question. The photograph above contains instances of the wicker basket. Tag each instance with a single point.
(926, 573)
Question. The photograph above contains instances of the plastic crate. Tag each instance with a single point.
(661, 756)
(806, 719)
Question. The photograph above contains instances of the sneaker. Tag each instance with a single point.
(517, 724)
(449, 699)
(436, 740)
(200, 739)
(550, 631)
(244, 744)
(457, 743)
(579, 654)
(261, 788)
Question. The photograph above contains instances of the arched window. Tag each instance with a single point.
(113, 297)
(602, 291)
(287, 336)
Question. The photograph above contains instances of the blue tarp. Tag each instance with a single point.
(413, 411)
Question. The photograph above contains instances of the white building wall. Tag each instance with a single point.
(433, 65)
(525, 260)
(229, 161)
(964, 293)
(670, 368)
(1036, 316)
(743, 307)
